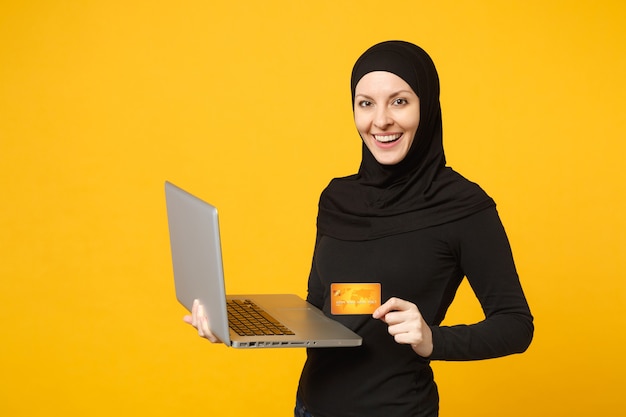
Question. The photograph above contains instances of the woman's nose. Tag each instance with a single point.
(382, 119)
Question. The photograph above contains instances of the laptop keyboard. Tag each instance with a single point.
(248, 319)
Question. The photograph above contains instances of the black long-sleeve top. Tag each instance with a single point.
(382, 377)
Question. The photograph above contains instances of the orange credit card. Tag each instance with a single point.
(354, 298)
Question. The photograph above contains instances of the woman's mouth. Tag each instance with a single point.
(387, 138)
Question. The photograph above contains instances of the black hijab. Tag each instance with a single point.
(419, 191)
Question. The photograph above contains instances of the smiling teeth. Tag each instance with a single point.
(387, 138)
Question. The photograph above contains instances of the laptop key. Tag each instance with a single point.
(248, 319)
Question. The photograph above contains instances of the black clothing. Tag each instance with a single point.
(419, 191)
(426, 266)
(417, 227)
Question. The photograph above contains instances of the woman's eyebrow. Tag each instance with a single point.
(395, 93)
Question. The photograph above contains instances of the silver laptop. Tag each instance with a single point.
(286, 319)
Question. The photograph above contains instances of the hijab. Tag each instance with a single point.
(417, 192)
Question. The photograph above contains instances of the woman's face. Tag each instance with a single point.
(386, 114)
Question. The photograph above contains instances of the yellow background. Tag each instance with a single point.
(247, 104)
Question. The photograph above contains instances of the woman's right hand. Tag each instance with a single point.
(199, 320)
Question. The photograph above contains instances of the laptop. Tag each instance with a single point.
(199, 274)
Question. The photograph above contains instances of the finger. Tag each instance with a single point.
(411, 316)
(405, 326)
(194, 313)
(207, 332)
(395, 318)
(393, 304)
(408, 338)
(200, 319)
(383, 309)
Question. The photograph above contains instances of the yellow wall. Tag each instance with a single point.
(247, 104)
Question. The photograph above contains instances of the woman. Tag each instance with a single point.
(417, 228)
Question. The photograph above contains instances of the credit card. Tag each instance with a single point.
(354, 298)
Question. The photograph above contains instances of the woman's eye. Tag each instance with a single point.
(400, 101)
(365, 103)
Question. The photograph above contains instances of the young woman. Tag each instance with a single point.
(417, 228)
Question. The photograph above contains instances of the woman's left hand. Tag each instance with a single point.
(406, 325)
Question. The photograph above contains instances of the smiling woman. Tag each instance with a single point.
(386, 114)
(415, 226)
